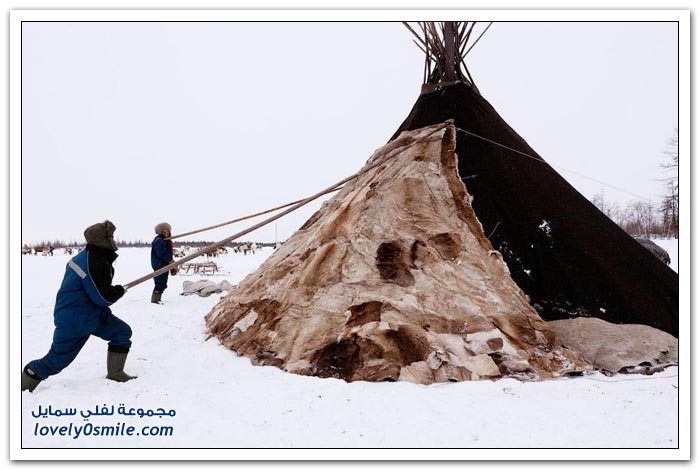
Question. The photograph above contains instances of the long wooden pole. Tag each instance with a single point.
(213, 246)
(206, 249)
(240, 219)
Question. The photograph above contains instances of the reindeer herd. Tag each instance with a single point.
(210, 267)
(43, 250)
(245, 248)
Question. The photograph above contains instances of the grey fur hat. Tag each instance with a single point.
(162, 227)
(102, 235)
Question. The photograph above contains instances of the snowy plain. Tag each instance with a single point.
(222, 401)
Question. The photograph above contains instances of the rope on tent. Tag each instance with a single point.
(240, 219)
(556, 166)
(301, 203)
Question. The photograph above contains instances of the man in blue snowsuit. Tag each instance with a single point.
(161, 256)
(82, 309)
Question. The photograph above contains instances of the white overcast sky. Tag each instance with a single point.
(199, 123)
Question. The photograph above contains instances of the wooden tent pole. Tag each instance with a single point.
(450, 48)
(213, 246)
(240, 219)
(303, 202)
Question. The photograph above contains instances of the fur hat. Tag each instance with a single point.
(102, 235)
(162, 227)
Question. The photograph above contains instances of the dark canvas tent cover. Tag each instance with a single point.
(569, 257)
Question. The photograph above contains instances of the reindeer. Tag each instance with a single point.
(44, 250)
(68, 250)
(246, 249)
(26, 250)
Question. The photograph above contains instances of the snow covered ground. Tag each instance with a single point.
(222, 401)
(670, 245)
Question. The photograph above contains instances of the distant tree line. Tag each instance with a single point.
(646, 218)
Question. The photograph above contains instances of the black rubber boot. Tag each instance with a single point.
(115, 367)
(155, 298)
(29, 379)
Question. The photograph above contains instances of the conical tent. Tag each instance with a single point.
(441, 258)
(392, 279)
(570, 258)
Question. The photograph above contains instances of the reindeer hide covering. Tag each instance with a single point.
(393, 279)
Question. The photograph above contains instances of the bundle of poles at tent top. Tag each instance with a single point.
(445, 46)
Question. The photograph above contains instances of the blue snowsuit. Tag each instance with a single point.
(161, 256)
(82, 309)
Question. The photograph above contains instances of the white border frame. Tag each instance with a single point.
(17, 16)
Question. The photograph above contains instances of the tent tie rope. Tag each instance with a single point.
(551, 164)
(291, 209)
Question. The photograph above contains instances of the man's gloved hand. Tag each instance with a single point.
(173, 271)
